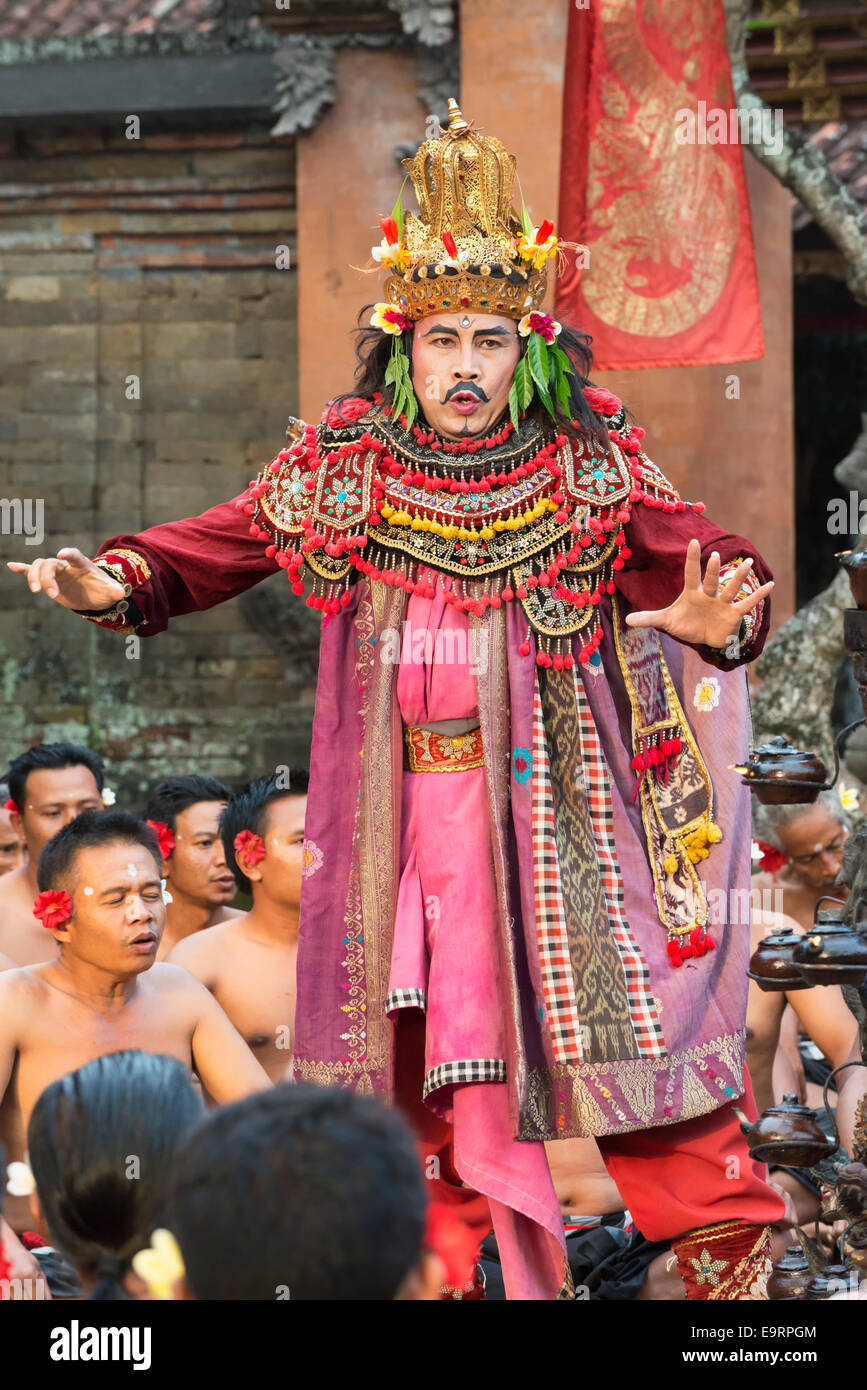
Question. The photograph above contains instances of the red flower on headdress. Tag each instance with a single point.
(544, 232)
(772, 859)
(53, 908)
(10, 805)
(449, 244)
(165, 835)
(250, 846)
(389, 230)
(450, 1238)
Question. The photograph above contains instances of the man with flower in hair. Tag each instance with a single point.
(800, 851)
(504, 929)
(49, 785)
(100, 904)
(184, 812)
(249, 963)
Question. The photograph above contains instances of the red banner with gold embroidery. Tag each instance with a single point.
(652, 184)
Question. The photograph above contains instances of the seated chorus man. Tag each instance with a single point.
(822, 1013)
(807, 854)
(185, 813)
(102, 903)
(11, 844)
(86, 1130)
(328, 1191)
(249, 964)
(49, 785)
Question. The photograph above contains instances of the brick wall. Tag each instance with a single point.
(155, 259)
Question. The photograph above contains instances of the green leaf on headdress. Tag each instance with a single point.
(397, 210)
(562, 373)
(521, 391)
(398, 371)
(537, 356)
(526, 223)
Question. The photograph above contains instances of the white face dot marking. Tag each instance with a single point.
(132, 871)
(88, 892)
(275, 842)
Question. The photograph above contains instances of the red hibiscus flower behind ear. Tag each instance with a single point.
(450, 1238)
(10, 805)
(165, 835)
(772, 859)
(250, 846)
(53, 908)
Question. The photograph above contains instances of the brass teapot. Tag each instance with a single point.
(771, 964)
(833, 953)
(787, 1133)
(791, 1275)
(854, 562)
(831, 1280)
(781, 775)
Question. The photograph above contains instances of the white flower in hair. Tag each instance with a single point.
(108, 797)
(167, 897)
(19, 1179)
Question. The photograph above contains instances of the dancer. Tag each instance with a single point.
(512, 823)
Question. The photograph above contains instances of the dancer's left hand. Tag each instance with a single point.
(700, 614)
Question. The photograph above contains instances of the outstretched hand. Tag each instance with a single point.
(700, 614)
(71, 580)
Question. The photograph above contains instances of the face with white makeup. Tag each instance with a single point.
(118, 912)
(462, 370)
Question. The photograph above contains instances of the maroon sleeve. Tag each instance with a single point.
(653, 576)
(182, 567)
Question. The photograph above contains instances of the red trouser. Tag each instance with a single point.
(696, 1173)
(672, 1179)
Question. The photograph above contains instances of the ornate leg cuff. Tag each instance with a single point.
(729, 1262)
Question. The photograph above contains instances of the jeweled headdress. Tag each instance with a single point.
(467, 250)
(463, 250)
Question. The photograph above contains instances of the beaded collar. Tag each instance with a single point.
(522, 517)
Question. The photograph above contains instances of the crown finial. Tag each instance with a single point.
(456, 120)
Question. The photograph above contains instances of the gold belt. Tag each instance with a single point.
(424, 750)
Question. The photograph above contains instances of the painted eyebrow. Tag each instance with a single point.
(477, 332)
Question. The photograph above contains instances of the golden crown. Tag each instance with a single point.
(467, 248)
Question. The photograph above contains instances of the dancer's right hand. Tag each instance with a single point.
(71, 580)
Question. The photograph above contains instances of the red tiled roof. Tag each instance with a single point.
(24, 19)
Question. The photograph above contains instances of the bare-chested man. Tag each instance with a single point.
(11, 844)
(50, 784)
(811, 838)
(102, 992)
(822, 1014)
(199, 880)
(249, 964)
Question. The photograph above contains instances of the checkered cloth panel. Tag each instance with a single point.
(642, 1011)
(457, 1073)
(561, 1012)
(405, 999)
